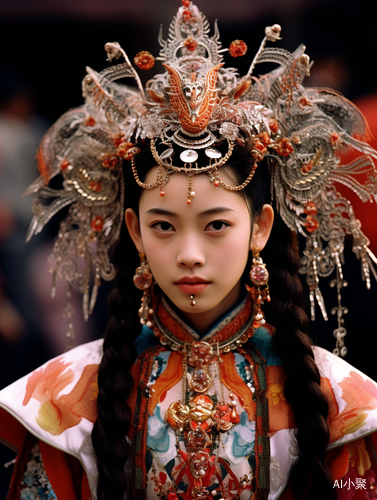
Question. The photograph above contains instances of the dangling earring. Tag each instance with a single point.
(143, 280)
(259, 277)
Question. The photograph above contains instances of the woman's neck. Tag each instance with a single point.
(204, 322)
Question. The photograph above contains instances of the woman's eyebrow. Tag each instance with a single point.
(205, 213)
(216, 210)
(161, 211)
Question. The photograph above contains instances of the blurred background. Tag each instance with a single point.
(44, 50)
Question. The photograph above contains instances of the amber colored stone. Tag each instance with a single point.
(144, 60)
(190, 44)
(95, 186)
(306, 168)
(118, 139)
(90, 122)
(237, 48)
(335, 139)
(200, 380)
(274, 126)
(310, 208)
(304, 101)
(264, 138)
(311, 224)
(186, 15)
(260, 146)
(124, 150)
(110, 161)
(284, 147)
(97, 223)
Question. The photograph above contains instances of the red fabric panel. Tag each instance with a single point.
(11, 431)
(58, 472)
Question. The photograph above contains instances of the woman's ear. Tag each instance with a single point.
(262, 227)
(132, 223)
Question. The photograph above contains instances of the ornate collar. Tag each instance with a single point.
(232, 332)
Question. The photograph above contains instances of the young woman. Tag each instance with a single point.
(211, 387)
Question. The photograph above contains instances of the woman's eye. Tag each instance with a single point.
(217, 225)
(163, 227)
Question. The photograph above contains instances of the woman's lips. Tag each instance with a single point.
(192, 288)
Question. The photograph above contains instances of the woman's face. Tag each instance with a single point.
(199, 249)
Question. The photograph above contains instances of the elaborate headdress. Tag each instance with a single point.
(185, 112)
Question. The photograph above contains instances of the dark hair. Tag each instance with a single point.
(286, 313)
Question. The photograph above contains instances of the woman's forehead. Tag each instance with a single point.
(204, 195)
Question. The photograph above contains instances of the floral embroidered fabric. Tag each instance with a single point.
(68, 384)
(35, 484)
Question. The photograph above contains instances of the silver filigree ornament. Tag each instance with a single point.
(185, 112)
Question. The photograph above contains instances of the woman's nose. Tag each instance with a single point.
(191, 252)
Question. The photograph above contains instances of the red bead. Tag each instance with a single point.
(307, 167)
(64, 165)
(264, 138)
(95, 186)
(335, 139)
(186, 15)
(190, 44)
(124, 150)
(237, 48)
(188, 201)
(284, 147)
(97, 223)
(90, 122)
(162, 192)
(304, 101)
(144, 60)
(274, 126)
(311, 224)
(109, 161)
(118, 139)
(185, 3)
(216, 183)
(310, 208)
(260, 146)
